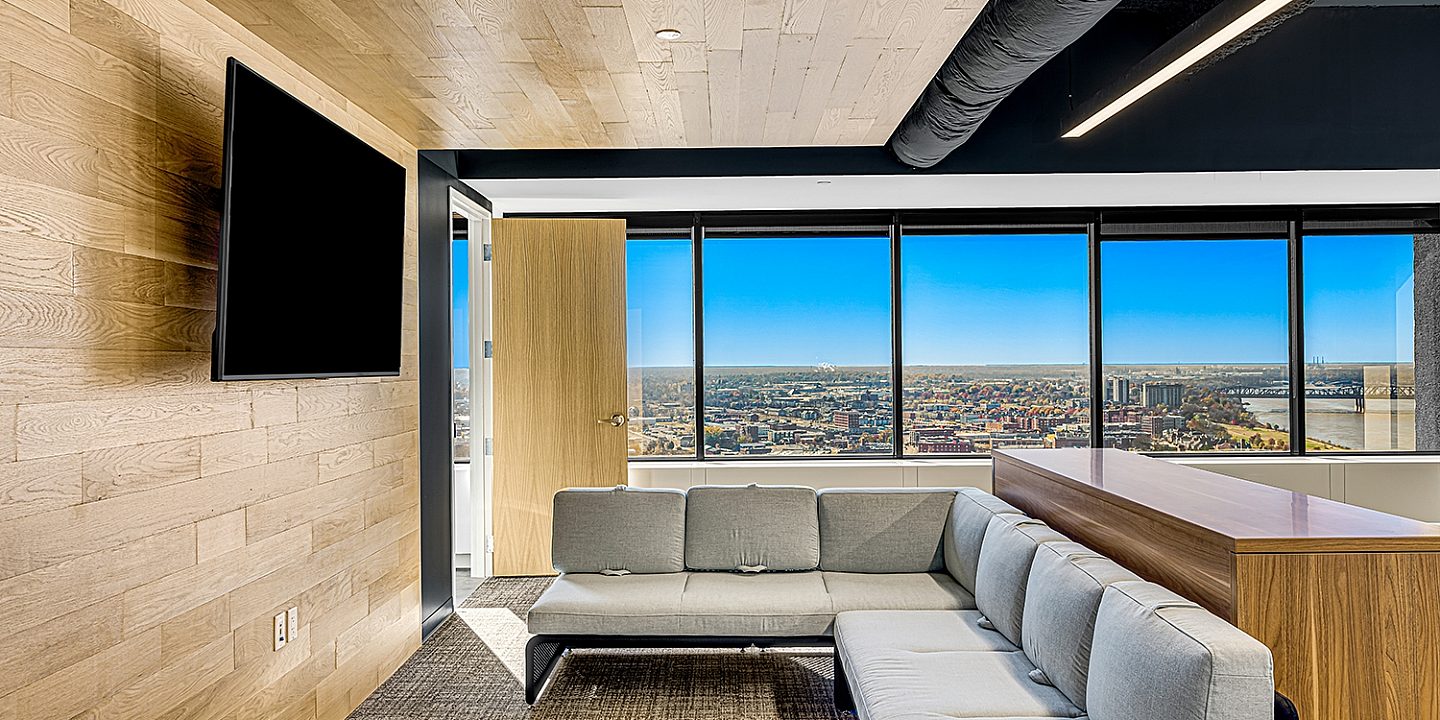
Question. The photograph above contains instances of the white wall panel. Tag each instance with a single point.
(1408, 486)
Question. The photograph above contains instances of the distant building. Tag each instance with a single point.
(846, 420)
(1118, 391)
(1155, 425)
(952, 446)
(1072, 440)
(1161, 393)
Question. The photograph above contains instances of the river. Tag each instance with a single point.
(1336, 422)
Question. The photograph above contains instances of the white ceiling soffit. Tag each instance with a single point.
(1314, 187)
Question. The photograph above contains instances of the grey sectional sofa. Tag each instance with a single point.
(939, 603)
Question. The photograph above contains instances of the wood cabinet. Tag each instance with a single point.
(1347, 599)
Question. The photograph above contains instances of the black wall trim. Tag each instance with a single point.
(431, 623)
(436, 534)
(676, 162)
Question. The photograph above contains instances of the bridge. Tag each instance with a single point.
(1358, 393)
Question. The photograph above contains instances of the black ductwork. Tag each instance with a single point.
(1008, 41)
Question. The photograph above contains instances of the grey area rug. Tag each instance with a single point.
(469, 668)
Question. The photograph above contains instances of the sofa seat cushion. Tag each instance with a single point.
(758, 605)
(883, 530)
(1006, 554)
(1062, 599)
(731, 527)
(890, 684)
(917, 631)
(1155, 651)
(970, 517)
(618, 529)
(594, 604)
(896, 591)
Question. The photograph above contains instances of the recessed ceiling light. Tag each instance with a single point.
(1209, 45)
(668, 34)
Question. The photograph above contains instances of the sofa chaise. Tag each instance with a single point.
(939, 603)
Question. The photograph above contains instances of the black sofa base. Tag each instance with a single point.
(543, 652)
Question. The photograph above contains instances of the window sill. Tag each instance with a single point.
(809, 463)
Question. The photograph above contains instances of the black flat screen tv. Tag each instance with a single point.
(312, 243)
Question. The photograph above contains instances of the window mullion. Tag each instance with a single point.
(897, 429)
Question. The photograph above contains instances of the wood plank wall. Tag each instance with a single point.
(152, 522)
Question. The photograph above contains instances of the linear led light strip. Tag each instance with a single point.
(1177, 66)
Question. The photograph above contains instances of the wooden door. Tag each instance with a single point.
(559, 375)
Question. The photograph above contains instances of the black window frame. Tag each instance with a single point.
(1291, 223)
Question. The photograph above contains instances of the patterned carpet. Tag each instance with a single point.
(470, 668)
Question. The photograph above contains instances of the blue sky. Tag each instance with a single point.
(1005, 299)
(995, 299)
(1195, 301)
(659, 300)
(460, 303)
(1359, 298)
(797, 301)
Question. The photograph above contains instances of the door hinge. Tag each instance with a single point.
(485, 252)
(489, 446)
(489, 349)
(490, 543)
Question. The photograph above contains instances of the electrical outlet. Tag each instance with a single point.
(281, 636)
(292, 622)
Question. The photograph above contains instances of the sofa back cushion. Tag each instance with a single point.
(1006, 554)
(1157, 654)
(888, 530)
(618, 530)
(751, 528)
(965, 530)
(1062, 599)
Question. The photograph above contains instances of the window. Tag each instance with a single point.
(460, 338)
(996, 342)
(797, 345)
(1195, 337)
(860, 340)
(1360, 331)
(660, 339)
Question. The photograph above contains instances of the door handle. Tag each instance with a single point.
(616, 420)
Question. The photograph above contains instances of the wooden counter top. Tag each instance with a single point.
(1243, 516)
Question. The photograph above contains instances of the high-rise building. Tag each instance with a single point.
(846, 420)
(1161, 393)
(1118, 390)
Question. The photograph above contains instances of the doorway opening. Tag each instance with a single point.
(470, 394)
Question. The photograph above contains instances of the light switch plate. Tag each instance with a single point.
(292, 622)
(281, 636)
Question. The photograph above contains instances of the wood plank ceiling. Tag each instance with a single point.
(591, 73)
